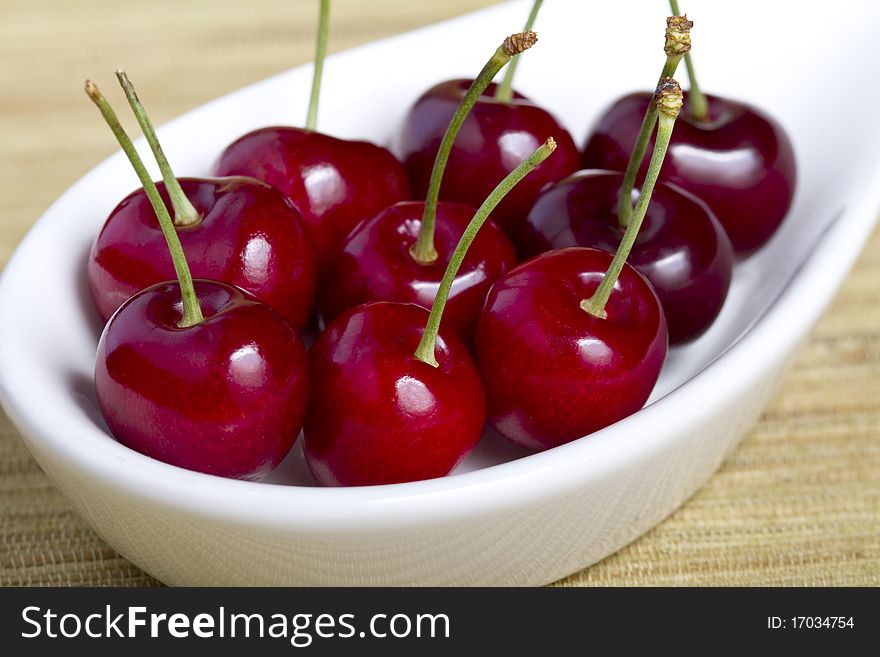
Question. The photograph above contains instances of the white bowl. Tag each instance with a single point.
(505, 517)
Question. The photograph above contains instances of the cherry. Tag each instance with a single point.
(394, 396)
(503, 127)
(681, 248)
(200, 374)
(238, 230)
(735, 158)
(376, 264)
(226, 396)
(334, 183)
(249, 235)
(740, 162)
(553, 372)
(574, 340)
(378, 414)
(402, 253)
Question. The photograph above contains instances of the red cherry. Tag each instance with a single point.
(402, 254)
(376, 264)
(249, 235)
(334, 183)
(739, 161)
(379, 414)
(494, 138)
(395, 398)
(200, 375)
(226, 396)
(553, 371)
(681, 248)
(733, 157)
(238, 230)
(573, 340)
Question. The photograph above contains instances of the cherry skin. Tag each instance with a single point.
(681, 248)
(495, 137)
(249, 235)
(740, 162)
(378, 414)
(376, 265)
(554, 372)
(334, 183)
(226, 396)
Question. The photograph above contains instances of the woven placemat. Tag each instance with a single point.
(797, 503)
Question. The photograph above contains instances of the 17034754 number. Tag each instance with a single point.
(810, 623)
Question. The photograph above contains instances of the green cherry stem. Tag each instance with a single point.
(320, 54)
(504, 91)
(668, 100)
(425, 350)
(192, 313)
(678, 43)
(423, 250)
(698, 106)
(185, 213)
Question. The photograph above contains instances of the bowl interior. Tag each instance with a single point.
(48, 329)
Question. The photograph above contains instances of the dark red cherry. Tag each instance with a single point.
(681, 248)
(226, 396)
(396, 396)
(249, 235)
(200, 374)
(554, 372)
(740, 162)
(333, 182)
(376, 264)
(378, 414)
(495, 137)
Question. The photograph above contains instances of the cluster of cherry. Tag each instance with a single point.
(432, 326)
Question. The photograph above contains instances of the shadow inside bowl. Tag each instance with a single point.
(82, 390)
(84, 295)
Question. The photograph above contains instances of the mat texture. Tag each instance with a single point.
(797, 504)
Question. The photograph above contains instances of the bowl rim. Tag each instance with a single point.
(484, 491)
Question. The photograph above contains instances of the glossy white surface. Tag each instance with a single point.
(505, 517)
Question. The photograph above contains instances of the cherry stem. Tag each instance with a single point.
(192, 313)
(504, 91)
(185, 213)
(668, 100)
(320, 54)
(425, 350)
(423, 250)
(698, 106)
(678, 43)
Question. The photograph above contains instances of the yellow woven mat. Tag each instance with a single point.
(797, 503)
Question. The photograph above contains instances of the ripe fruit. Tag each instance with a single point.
(574, 340)
(681, 248)
(732, 156)
(395, 397)
(401, 254)
(198, 374)
(501, 130)
(237, 230)
(334, 183)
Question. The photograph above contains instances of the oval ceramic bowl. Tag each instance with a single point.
(505, 517)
